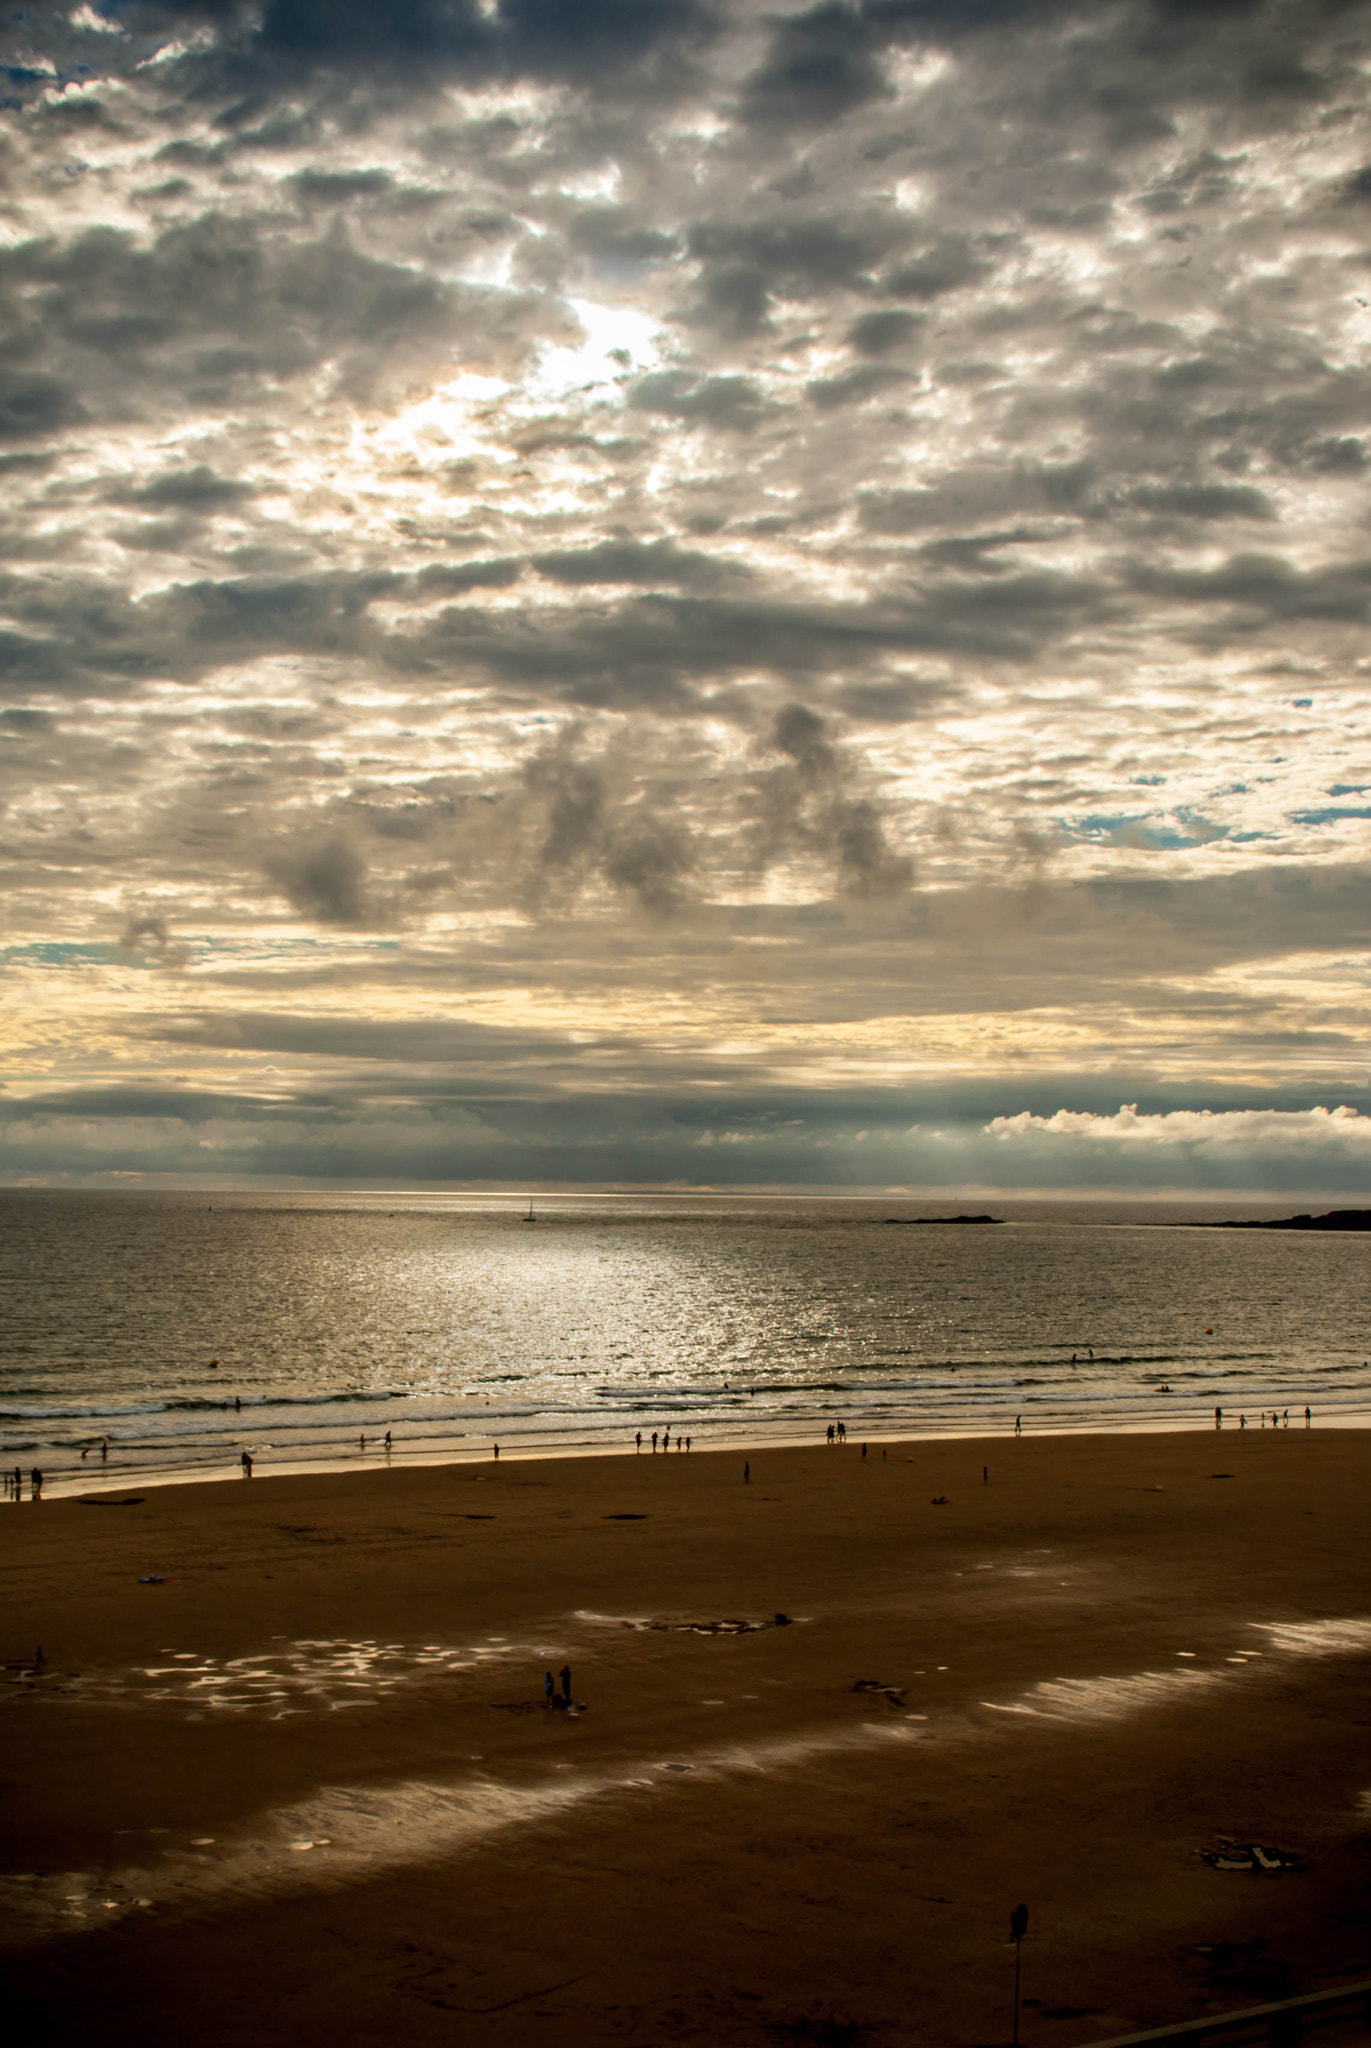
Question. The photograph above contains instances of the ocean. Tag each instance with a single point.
(180, 1329)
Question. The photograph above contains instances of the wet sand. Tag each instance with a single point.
(318, 1751)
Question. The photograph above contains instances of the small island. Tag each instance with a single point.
(944, 1219)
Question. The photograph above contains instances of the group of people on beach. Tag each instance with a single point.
(14, 1484)
(682, 1442)
(1280, 1418)
(551, 1697)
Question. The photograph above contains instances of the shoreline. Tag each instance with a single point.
(67, 1483)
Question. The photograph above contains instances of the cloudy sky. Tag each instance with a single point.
(649, 592)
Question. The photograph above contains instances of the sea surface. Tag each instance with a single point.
(163, 1334)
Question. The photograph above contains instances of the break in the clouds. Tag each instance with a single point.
(686, 593)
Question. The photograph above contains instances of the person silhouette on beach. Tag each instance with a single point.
(36, 1483)
(638, 1442)
(104, 1449)
(654, 1443)
(687, 1444)
(547, 1688)
(1242, 1422)
(497, 1454)
(387, 1443)
(863, 1450)
(1018, 1425)
(747, 1473)
(1308, 1418)
(565, 1676)
(1218, 1418)
(829, 1437)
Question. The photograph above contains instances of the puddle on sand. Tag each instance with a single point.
(347, 1833)
(1105, 1699)
(1318, 1638)
(309, 1675)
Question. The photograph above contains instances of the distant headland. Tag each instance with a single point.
(1336, 1219)
(944, 1219)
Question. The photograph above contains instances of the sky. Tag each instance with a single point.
(685, 595)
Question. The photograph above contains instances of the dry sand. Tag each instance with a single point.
(729, 1843)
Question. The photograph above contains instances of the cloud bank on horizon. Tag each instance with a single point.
(686, 594)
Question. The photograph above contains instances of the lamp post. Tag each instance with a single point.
(1018, 1927)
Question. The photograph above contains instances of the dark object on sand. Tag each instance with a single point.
(1018, 1927)
(944, 1219)
(1232, 1854)
(940, 1500)
(110, 1500)
(782, 1621)
(892, 1694)
(1335, 1219)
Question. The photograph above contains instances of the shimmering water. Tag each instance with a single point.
(454, 1323)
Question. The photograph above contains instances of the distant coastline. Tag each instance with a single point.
(1336, 1219)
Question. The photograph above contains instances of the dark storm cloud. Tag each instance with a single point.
(323, 878)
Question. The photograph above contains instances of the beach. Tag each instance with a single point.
(285, 1765)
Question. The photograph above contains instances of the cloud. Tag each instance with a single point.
(323, 878)
(553, 517)
(1282, 1131)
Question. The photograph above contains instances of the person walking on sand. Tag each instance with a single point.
(565, 1676)
(638, 1443)
(1018, 1425)
(36, 1483)
(747, 1473)
(1218, 1418)
(654, 1443)
(497, 1454)
(1308, 1418)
